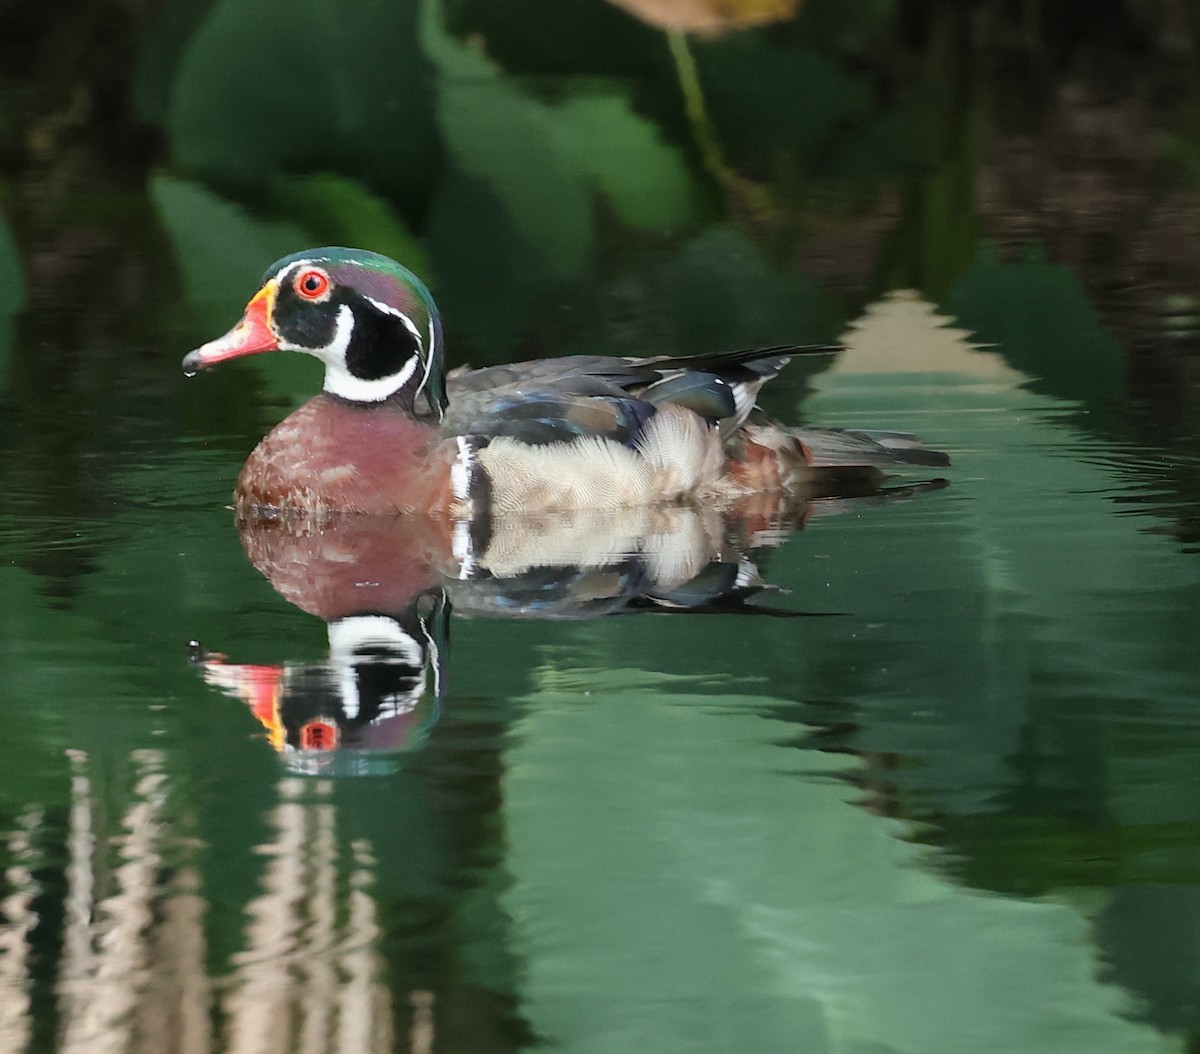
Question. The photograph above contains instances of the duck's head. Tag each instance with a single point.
(372, 322)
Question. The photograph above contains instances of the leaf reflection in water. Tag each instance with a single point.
(133, 972)
(300, 972)
(104, 973)
(385, 588)
(17, 921)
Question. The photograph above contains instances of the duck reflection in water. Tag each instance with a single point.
(373, 698)
(385, 588)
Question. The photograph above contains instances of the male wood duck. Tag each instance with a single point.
(391, 433)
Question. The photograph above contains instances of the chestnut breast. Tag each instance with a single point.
(334, 456)
(353, 565)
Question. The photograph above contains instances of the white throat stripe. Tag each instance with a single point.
(340, 381)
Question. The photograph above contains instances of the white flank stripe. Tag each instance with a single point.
(464, 551)
(460, 471)
(747, 574)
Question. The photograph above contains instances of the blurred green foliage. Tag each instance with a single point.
(1040, 317)
(506, 191)
(556, 170)
(12, 293)
(270, 85)
(383, 129)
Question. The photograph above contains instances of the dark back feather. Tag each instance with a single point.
(552, 400)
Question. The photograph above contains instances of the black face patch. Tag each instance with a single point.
(304, 323)
(380, 344)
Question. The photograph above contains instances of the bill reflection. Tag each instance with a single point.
(386, 587)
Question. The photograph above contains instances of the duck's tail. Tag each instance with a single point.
(837, 448)
(762, 362)
(817, 461)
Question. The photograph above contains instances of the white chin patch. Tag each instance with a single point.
(340, 381)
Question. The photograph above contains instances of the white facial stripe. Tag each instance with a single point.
(339, 380)
(348, 636)
(464, 549)
(428, 366)
(395, 312)
(351, 634)
(411, 326)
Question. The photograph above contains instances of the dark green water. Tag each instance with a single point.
(959, 811)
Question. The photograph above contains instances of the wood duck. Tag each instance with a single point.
(391, 433)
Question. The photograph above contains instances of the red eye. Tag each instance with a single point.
(312, 285)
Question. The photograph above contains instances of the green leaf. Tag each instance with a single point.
(271, 85)
(340, 211)
(1043, 323)
(546, 161)
(221, 249)
(12, 294)
(491, 280)
(222, 252)
(646, 180)
(573, 39)
(160, 51)
(727, 296)
(12, 281)
(767, 100)
(513, 143)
